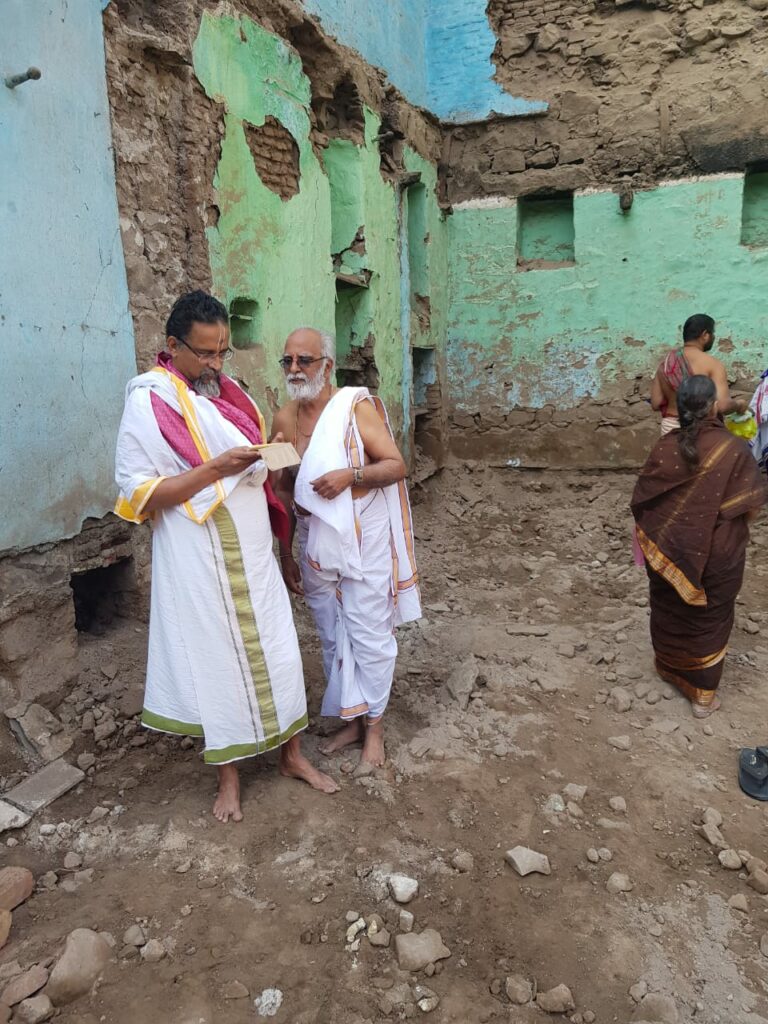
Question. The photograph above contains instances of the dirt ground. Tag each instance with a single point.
(264, 902)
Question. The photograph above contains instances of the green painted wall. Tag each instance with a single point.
(279, 253)
(520, 338)
(270, 251)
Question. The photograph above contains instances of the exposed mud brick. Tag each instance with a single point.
(631, 88)
(275, 156)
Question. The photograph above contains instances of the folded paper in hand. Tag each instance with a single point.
(278, 455)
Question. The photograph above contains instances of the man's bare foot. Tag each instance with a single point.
(351, 732)
(373, 747)
(294, 765)
(227, 803)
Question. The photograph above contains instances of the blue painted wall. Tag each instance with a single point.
(437, 52)
(64, 322)
(390, 35)
(460, 83)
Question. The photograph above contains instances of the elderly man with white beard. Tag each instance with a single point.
(356, 565)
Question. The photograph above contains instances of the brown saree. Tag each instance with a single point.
(692, 528)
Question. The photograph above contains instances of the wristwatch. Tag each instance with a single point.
(357, 478)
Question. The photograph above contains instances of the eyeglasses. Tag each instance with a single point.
(304, 361)
(208, 357)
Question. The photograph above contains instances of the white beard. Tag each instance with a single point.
(305, 389)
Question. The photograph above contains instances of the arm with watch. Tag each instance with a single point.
(385, 465)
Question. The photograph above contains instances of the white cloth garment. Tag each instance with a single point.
(357, 564)
(355, 618)
(668, 424)
(333, 542)
(224, 659)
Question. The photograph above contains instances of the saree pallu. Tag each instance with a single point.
(692, 529)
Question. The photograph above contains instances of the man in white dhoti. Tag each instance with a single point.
(356, 566)
(224, 659)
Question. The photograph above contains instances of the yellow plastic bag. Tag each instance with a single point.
(742, 425)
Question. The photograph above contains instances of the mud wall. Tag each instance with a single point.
(539, 345)
(637, 92)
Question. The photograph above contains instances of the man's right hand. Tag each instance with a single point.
(292, 575)
(740, 406)
(234, 461)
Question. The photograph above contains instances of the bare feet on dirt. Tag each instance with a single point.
(294, 765)
(373, 747)
(352, 732)
(227, 803)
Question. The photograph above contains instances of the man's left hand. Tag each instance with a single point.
(331, 485)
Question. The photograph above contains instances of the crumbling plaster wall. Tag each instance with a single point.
(186, 92)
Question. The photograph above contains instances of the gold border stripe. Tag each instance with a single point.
(246, 620)
(667, 569)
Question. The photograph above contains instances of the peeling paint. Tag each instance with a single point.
(330, 255)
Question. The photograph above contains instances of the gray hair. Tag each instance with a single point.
(327, 341)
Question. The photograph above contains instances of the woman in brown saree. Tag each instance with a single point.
(692, 505)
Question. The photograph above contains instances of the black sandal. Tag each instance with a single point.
(753, 772)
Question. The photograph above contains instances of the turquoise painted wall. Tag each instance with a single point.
(278, 253)
(437, 52)
(559, 336)
(66, 330)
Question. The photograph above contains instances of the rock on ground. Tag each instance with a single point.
(525, 861)
(5, 926)
(16, 885)
(269, 1002)
(134, 936)
(405, 921)
(730, 860)
(557, 1000)
(519, 990)
(461, 681)
(618, 882)
(620, 742)
(658, 1008)
(403, 888)
(85, 956)
(45, 786)
(415, 951)
(12, 817)
(34, 1011)
(426, 999)
(24, 985)
(153, 952)
(462, 861)
(234, 990)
